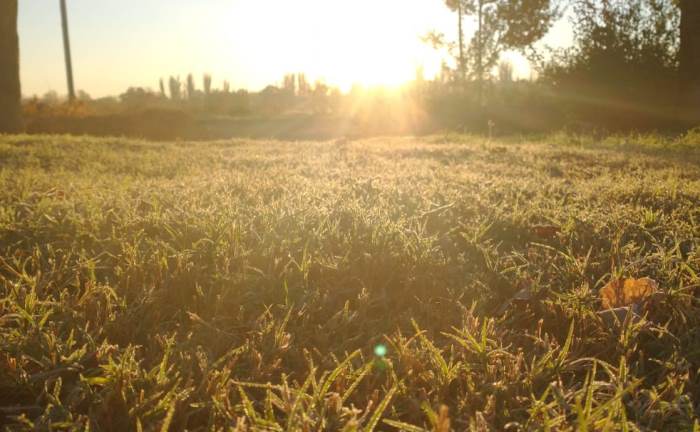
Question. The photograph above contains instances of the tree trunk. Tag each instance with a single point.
(10, 94)
(690, 55)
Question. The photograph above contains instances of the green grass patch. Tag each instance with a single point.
(380, 284)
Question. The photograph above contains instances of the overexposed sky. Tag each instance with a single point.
(251, 43)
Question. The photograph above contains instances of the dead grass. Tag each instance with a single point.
(256, 285)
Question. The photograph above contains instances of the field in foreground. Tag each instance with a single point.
(444, 283)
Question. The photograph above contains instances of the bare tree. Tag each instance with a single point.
(500, 25)
(10, 92)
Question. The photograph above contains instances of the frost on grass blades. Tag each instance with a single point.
(418, 284)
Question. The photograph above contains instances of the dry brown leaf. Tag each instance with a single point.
(626, 292)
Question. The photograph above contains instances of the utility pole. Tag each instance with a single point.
(66, 50)
(462, 64)
(480, 47)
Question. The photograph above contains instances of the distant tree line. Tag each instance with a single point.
(186, 95)
(294, 93)
(633, 63)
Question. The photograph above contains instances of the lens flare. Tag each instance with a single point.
(380, 350)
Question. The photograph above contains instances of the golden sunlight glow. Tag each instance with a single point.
(366, 42)
(250, 43)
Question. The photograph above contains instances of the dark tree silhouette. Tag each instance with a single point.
(190, 87)
(500, 25)
(206, 81)
(10, 93)
(175, 88)
(458, 7)
(690, 51)
(624, 59)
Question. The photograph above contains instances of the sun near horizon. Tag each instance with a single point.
(251, 44)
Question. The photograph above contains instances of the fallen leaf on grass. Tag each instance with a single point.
(627, 292)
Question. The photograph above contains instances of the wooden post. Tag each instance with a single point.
(66, 50)
(479, 66)
(462, 63)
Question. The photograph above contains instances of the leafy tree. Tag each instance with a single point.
(622, 69)
(319, 98)
(289, 83)
(190, 87)
(303, 86)
(206, 82)
(139, 97)
(615, 32)
(10, 93)
(175, 88)
(658, 33)
(500, 25)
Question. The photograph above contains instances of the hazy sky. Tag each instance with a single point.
(251, 43)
